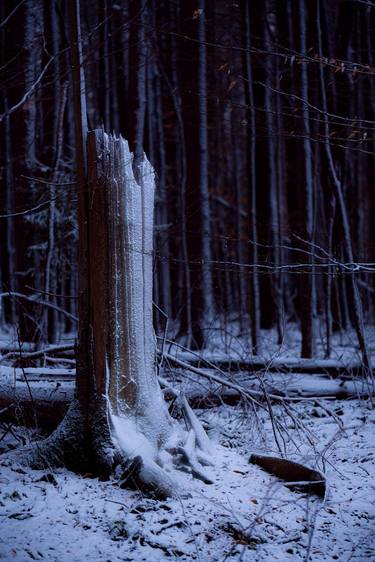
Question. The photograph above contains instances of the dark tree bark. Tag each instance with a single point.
(339, 195)
(307, 284)
(255, 310)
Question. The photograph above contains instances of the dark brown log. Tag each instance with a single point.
(297, 475)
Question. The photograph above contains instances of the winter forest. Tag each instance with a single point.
(187, 300)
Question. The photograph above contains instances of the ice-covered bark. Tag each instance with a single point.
(121, 241)
(123, 343)
(121, 420)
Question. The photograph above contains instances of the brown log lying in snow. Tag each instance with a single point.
(296, 475)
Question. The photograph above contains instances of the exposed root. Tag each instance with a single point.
(108, 441)
(64, 447)
(190, 458)
(158, 468)
(72, 445)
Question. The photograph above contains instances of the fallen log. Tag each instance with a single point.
(40, 353)
(35, 398)
(44, 394)
(296, 475)
(331, 367)
(334, 368)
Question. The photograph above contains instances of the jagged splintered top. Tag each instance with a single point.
(120, 224)
(115, 157)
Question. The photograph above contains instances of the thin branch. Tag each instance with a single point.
(32, 299)
(39, 353)
(5, 21)
(29, 92)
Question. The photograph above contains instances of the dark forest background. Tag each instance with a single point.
(259, 118)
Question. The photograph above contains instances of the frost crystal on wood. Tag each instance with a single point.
(121, 241)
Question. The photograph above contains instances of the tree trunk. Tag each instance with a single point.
(307, 283)
(339, 195)
(273, 158)
(120, 412)
(25, 233)
(206, 279)
(251, 165)
(142, 51)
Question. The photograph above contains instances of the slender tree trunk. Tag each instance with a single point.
(162, 209)
(273, 178)
(282, 208)
(30, 328)
(237, 177)
(141, 84)
(338, 190)
(251, 160)
(330, 274)
(9, 209)
(107, 78)
(80, 122)
(184, 308)
(307, 285)
(207, 282)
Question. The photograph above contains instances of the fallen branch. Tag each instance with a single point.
(292, 392)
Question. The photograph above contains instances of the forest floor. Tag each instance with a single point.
(245, 515)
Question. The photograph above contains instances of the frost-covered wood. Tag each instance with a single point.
(123, 342)
(121, 242)
(120, 419)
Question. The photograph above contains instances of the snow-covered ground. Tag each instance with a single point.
(227, 340)
(246, 514)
